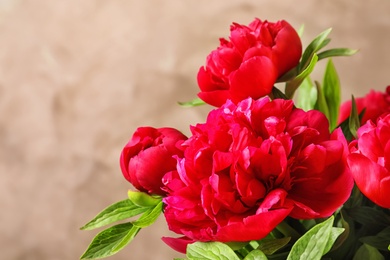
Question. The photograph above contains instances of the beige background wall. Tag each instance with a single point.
(77, 78)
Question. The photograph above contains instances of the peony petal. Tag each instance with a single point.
(287, 48)
(334, 151)
(242, 39)
(302, 211)
(386, 157)
(215, 98)
(371, 178)
(149, 167)
(171, 139)
(250, 189)
(370, 146)
(312, 119)
(323, 193)
(258, 51)
(255, 78)
(228, 59)
(208, 82)
(312, 158)
(179, 244)
(221, 161)
(274, 125)
(254, 227)
(384, 197)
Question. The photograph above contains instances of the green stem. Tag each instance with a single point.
(288, 231)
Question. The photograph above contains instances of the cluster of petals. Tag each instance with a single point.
(249, 63)
(148, 156)
(249, 166)
(369, 160)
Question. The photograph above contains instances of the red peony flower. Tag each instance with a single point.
(249, 64)
(370, 160)
(149, 155)
(376, 103)
(250, 166)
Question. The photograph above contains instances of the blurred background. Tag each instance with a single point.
(78, 77)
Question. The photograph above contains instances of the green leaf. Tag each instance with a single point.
(336, 52)
(344, 236)
(334, 234)
(319, 42)
(193, 103)
(279, 256)
(306, 95)
(308, 223)
(301, 30)
(289, 75)
(236, 245)
(323, 44)
(150, 216)
(354, 120)
(380, 241)
(369, 216)
(270, 246)
(315, 243)
(110, 241)
(293, 84)
(256, 255)
(321, 104)
(118, 211)
(368, 252)
(347, 127)
(276, 93)
(210, 251)
(356, 198)
(347, 243)
(332, 93)
(143, 199)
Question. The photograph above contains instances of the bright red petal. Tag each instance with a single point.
(179, 244)
(255, 78)
(372, 179)
(253, 227)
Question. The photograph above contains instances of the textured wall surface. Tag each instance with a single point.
(77, 78)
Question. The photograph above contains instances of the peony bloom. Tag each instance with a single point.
(149, 155)
(249, 167)
(370, 160)
(375, 104)
(248, 64)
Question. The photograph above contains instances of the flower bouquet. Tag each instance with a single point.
(278, 170)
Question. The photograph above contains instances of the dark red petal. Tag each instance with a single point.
(324, 193)
(334, 151)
